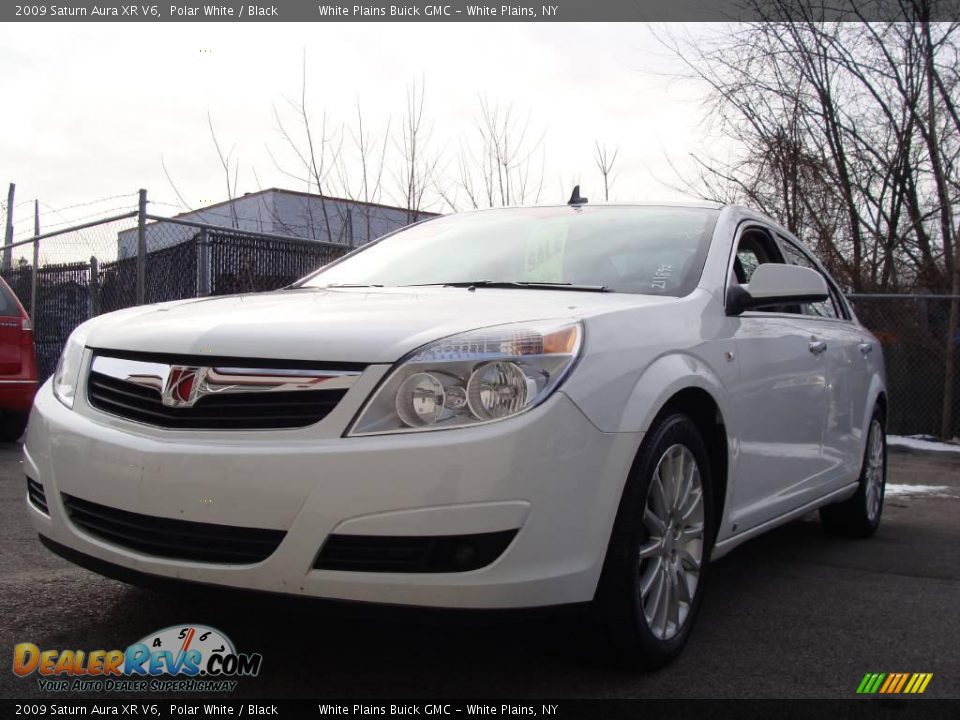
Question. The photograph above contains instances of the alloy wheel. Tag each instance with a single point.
(873, 473)
(672, 555)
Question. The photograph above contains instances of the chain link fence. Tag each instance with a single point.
(913, 331)
(71, 274)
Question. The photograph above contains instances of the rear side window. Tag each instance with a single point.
(8, 303)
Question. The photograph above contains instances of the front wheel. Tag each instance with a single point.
(652, 582)
(859, 515)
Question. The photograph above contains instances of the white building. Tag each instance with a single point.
(280, 212)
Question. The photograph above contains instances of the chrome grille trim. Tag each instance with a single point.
(222, 380)
(215, 393)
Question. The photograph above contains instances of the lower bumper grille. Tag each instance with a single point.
(412, 554)
(174, 539)
(38, 498)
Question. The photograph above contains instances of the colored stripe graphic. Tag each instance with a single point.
(903, 681)
(894, 683)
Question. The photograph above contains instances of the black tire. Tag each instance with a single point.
(854, 517)
(12, 426)
(626, 635)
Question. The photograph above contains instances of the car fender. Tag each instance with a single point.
(664, 378)
(660, 380)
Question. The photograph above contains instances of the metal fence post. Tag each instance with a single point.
(142, 249)
(203, 264)
(36, 262)
(93, 285)
(8, 235)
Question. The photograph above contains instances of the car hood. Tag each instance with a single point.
(369, 325)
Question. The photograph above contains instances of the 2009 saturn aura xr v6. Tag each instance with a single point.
(507, 408)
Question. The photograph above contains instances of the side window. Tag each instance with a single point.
(755, 248)
(828, 308)
(748, 262)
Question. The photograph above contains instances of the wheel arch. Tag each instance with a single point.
(881, 402)
(685, 383)
(701, 407)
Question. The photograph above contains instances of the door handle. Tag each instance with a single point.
(866, 348)
(817, 347)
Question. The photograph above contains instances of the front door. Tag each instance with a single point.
(781, 400)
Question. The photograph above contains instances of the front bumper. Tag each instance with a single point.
(549, 473)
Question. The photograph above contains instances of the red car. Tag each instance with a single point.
(18, 365)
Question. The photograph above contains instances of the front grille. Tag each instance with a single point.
(175, 539)
(412, 554)
(38, 498)
(243, 411)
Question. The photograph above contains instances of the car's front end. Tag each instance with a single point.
(288, 476)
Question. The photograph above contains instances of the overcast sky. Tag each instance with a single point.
(90, 109)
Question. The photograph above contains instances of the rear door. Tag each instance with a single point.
(846, 361)
(11, 324)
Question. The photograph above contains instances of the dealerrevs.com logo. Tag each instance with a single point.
(180, 658)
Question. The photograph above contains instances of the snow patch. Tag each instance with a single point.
(942, 491)
(921, 443)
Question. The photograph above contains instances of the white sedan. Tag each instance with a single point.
(501, 409)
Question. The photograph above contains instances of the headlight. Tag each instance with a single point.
(475, 377)
(67, 375)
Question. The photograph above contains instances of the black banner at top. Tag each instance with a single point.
(522, 709)
(459, 11)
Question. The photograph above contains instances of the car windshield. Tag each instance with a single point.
(652, 250)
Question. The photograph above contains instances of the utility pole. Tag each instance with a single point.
(36, 262)
(8, 238)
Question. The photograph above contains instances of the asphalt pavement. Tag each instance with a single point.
(794, 613)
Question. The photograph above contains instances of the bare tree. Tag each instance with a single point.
(605, 162)
(316, 149)
(501, 163)
(417, 165)
(231, 171)
(370, 157)
(848, 134)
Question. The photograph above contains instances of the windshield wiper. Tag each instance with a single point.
(331, 285)
(509, 284)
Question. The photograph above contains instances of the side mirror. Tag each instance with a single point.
(777, 284)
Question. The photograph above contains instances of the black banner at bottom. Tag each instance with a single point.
(854, 709)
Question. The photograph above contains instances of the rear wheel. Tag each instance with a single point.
(859, 516)
(652, 583)
(12, 426)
